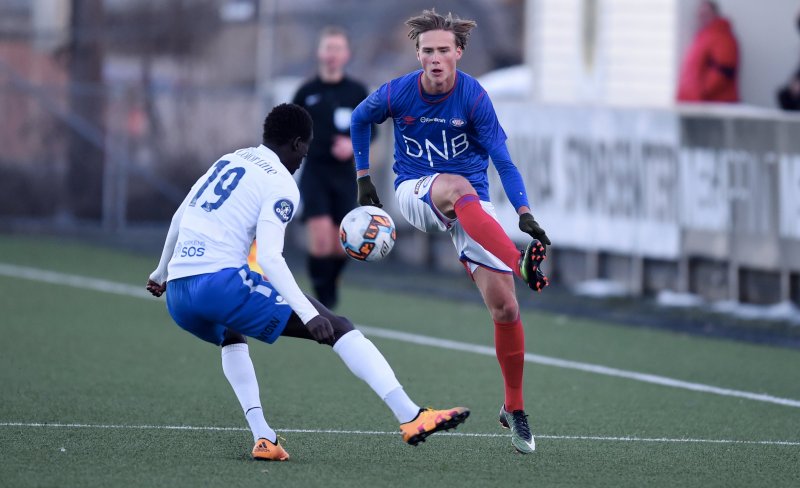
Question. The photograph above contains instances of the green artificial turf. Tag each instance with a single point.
(117, 375)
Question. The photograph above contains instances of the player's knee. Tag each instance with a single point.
(458, 186)
(446, 191)
(505, 311)
(341, 326)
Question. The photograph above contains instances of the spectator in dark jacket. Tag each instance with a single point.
(710, 68)
(789, 95)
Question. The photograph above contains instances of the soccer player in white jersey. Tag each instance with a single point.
(213, 294)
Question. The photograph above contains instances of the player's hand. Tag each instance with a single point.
(528, 225)
(367, 194)
(321, 330)
(156, 289)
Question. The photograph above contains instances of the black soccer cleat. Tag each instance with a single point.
(530, 265)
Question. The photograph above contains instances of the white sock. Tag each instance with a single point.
(238, 368)
(403, 408)
(366, 362)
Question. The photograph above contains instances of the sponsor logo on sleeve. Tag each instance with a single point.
(284, 209)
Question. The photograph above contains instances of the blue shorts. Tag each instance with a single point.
(236, 299)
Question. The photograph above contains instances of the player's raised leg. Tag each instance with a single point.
(497, 290)
(454, 196)
(366, 362)
(238, 369)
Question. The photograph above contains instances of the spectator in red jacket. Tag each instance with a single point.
(710, 68)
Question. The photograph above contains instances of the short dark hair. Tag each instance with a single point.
(430, 20)
(285, 122)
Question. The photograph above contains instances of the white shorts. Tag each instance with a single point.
(413, 197)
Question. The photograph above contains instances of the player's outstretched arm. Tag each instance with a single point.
(157, 281)
(373, 110)
(515, 190)
(270, 237)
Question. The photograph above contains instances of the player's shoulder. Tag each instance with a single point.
(403, 87)
(469, 83)
(407, 79)
(283, 197)
(261, 161)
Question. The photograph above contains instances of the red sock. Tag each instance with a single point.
(485, 230)
(509, 343)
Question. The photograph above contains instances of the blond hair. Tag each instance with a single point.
(430, 20)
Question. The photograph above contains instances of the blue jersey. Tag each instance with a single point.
(452, 133)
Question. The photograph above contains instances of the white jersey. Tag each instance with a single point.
(224, 207)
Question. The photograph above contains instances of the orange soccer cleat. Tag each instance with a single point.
(429, 421)
(265, 450)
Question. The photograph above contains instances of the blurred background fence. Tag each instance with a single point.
(111, 109)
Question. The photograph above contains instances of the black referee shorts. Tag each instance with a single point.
(326, 192)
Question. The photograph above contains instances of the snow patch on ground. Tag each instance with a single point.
(784, 311)
(601, 289)
(668, 298)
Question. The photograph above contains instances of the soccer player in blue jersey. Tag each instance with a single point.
(213, 294)
(445, 130)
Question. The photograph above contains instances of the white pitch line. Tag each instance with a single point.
(397, 433)
(95, 284)
(587, 367)
(75, 281)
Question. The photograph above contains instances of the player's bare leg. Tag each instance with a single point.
(326, 258)
(497, 290)
(366, 362)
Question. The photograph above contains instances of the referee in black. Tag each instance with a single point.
(328, 180)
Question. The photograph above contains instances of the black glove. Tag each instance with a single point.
(528, 225)
(321, 330)
(367, 194)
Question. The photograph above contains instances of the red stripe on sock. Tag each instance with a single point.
(486, 231)
(509, 343)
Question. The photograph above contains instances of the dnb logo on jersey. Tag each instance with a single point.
(283, 209)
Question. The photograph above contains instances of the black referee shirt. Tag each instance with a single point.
(330, 106)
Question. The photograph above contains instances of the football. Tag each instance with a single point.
(367, 233)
